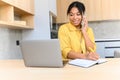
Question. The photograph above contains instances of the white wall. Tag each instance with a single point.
(52, 6)
(42, 26)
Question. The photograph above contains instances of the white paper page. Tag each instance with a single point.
(82, 62)
(85, 63)
(102, 60)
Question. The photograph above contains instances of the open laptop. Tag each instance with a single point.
(41, 53)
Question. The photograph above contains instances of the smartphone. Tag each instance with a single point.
(82, 22)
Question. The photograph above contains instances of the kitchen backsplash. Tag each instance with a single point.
(8, 47)
(106, 29)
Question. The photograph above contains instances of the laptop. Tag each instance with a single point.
(41, 53)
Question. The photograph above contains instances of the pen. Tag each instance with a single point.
(91, 49)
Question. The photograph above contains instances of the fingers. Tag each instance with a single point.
(93, 56)
(84, 28)
(85, 21)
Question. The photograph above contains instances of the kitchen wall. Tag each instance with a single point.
(8, 47)
(106, 29)
(42, 22)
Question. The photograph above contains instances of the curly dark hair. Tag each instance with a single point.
(80, 6)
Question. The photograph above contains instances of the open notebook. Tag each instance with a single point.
(86, 63)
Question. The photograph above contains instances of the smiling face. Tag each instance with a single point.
(75, 17)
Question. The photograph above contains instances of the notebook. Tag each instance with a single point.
(86, 63)
(41, 53)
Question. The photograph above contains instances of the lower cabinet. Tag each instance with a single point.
(100, 49)
(106, 48)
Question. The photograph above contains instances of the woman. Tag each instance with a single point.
(76, 38)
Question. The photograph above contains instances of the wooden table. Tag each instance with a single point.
(15, 70)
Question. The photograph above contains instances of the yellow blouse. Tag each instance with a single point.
(71, 39)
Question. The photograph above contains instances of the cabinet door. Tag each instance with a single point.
(93, 9)
(110, 47)
(62, 10)
(110, 9)
(96, 10)
(100, 49)
(26, 5)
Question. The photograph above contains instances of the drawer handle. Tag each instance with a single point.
(113, 47)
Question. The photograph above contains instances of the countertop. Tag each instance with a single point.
(15, 70)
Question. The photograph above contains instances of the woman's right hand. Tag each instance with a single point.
(92, 56)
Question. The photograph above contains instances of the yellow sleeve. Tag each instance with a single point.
(91, 36)
(63, 34)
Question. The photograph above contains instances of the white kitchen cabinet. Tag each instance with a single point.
(100, 49)
(106, 48)
(110, 47)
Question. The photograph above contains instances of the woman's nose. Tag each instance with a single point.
(75, 16)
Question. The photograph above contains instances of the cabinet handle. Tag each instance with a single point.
(113, 47)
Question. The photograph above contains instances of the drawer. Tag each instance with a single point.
(107, 48)
(110, 47)
(109, 52)
(112, 44)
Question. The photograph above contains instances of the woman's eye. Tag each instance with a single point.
(77, 14)
(71, 14)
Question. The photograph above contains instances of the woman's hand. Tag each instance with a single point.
(92, 56)
(85, 24)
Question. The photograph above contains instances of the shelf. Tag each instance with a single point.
(14, 17)
(14, 25)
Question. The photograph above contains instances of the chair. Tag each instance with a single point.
(116, 54)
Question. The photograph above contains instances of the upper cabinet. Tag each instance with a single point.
(17, 14)
(96, 10)
(26, 5)
(93, 9)
(62, 10)
(110, 9)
